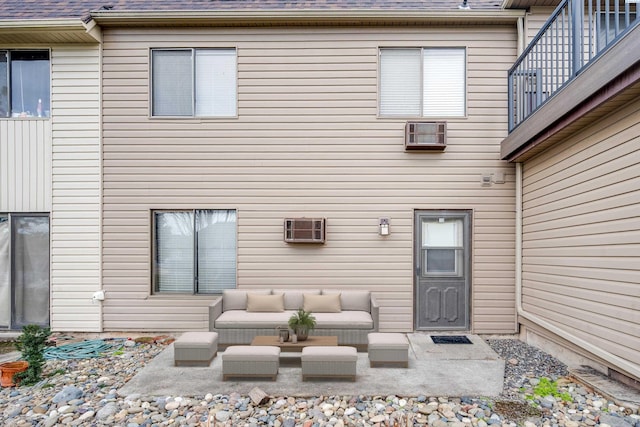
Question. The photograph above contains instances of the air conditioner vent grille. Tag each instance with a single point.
(304, 230)
(425, 136)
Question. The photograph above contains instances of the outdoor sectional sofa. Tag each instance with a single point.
(240, 315)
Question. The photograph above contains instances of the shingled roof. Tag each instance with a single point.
(81, 9)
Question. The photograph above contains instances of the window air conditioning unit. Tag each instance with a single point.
(425, 136)
(304, 230)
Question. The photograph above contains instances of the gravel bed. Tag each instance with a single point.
(84, 393)
(524, 362)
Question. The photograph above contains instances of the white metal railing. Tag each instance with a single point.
(576, 33)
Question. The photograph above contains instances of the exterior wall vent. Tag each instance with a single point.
(304, 230)
(425, 136)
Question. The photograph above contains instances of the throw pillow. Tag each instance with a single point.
(322, 303)
(265, 303)
(352, 300)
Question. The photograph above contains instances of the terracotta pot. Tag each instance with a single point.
(9, 369)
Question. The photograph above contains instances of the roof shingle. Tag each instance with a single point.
(53, 9)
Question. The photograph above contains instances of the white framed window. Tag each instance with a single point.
(194, 251)
(25, 83)
(194, 82)
(422, 82)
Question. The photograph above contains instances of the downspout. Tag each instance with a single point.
(98, 297)
(520, 42)
(520, 49)
(614, 360)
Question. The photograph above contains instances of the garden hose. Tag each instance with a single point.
(83, 350)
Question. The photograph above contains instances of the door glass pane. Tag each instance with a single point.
(442, 232)
(441, 260)
(30, 270)
(216, 250)
(5, 290)
(442, 246)
(174, 252)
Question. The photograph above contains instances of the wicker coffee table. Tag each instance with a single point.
(311, 341)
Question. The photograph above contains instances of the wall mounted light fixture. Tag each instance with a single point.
(384, 226)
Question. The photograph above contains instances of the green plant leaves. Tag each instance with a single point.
(31, 343)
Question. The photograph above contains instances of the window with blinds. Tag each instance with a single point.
(194, 251)
(422, 82)
(193, 82)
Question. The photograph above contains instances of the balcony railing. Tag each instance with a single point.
(576, 33)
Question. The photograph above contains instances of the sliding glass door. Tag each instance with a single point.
(5, 273)
(24, 270)
(30, 275)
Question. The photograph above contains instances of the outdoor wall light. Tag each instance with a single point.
(384, 226)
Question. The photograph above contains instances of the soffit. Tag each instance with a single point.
(526, 4)
(46, 32)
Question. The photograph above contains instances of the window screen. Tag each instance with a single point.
(194, 82)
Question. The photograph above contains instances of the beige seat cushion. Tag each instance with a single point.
(329, 353)
(387, 340)
(249, 353)
(196, 340)
(244, 319)
(344, 320)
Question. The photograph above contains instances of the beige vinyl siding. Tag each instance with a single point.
(307, 142)
(75, 217)
(25, 165)
(581, 242)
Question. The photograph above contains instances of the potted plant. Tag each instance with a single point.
(31, 343)
(301, 322)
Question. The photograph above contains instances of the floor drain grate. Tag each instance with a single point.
(450, 339)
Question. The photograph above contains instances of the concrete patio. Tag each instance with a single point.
(434, 370)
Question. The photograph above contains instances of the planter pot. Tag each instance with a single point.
(9, 369)
(302, 334)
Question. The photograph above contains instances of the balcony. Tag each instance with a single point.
(577, 33)
(583, 63)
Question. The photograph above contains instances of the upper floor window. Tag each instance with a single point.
(193, 83)
(422, 82)
(25, 83)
